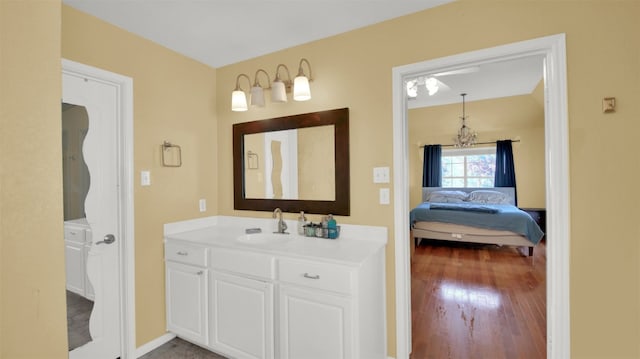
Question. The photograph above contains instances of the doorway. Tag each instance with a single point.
(108, 149)
(556, 181)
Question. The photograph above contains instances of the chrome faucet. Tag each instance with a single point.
(282, 226)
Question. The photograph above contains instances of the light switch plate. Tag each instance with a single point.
(384, 196)
(145, 178)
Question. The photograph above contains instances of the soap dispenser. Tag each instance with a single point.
(332, 227)
(302, 221)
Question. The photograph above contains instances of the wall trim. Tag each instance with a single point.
(557, 182)
(154, 344)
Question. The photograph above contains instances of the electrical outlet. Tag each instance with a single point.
(381, 175)
(203, 205)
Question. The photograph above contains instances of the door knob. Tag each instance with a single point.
(108, 239)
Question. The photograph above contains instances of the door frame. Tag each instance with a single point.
(124, 86)
(557, 182)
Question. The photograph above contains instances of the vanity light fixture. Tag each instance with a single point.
(257, 92)
(301, 90)
(279, 87)
(238, 97)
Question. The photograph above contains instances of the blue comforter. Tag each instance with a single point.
(490, 216)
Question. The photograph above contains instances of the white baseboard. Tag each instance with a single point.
(146, 348)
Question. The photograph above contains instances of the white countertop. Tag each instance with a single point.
(356, 243)
(78, 221)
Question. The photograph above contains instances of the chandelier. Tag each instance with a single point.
(466, 137)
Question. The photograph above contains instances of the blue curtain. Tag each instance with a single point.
(432, 172)
(505, 171)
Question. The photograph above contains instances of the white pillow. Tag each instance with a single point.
(447, 196)
(489, 197)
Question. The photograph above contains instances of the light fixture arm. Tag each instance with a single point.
(238, 88)
(301, 71)
(288, 80)
(464, 117)
(257, 82)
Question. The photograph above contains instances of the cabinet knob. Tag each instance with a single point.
(182, 253)
(307, 275)
(199, 272)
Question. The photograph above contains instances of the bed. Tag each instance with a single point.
(474, 215)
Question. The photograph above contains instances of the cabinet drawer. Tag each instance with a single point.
(253, 264)
(185, 253)
(316, 275)
(74, 234)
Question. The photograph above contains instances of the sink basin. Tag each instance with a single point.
(262, 238)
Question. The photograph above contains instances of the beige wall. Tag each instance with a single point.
(174, 100)
(516, 118)
(316, 165)
(32, 297)
(351, 70)
(354, 70)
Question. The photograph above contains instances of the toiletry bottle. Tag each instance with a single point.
(325, 226)
(302, 221)
(332, 227)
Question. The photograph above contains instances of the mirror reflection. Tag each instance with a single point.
(77, 233)
(291, 164)
(295, 163)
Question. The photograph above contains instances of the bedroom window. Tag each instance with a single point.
(474, 167)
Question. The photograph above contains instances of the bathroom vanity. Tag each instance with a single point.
(77, 243)
(277, 295)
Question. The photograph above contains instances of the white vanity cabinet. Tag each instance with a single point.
(74, 258)
(77, 243)
(328, 310)
(242, 304)
(187, 295)
(302, 298)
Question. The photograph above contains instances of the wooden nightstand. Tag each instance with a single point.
(539, 215)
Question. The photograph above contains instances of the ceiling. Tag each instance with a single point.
(486, 81)
(224, 32)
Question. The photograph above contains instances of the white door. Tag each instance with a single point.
(102, 211)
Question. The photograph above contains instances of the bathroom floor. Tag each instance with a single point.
(178, 348)
(78, 313)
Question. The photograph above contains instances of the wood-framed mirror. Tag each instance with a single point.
(295, 163)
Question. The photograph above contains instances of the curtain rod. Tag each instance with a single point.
(479, 143)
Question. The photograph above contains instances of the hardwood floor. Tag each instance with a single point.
(478, 301)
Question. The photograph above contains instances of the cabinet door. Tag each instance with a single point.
(74, 265)
(187, 300)
(241, 316)
(88, 287)
(314, 324)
